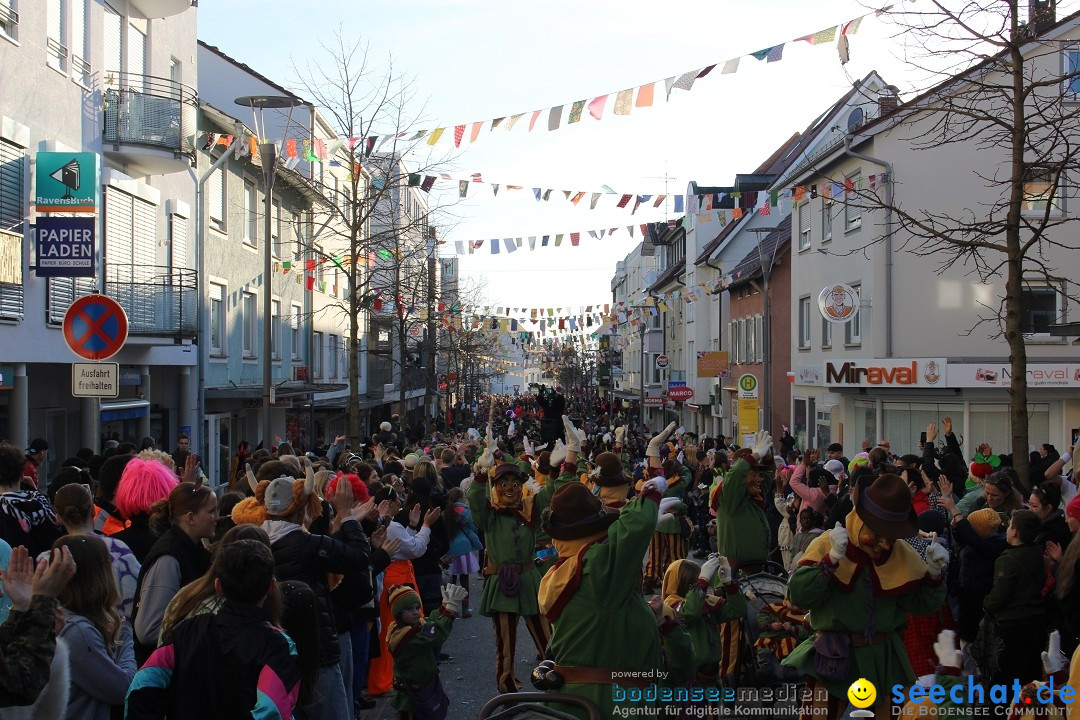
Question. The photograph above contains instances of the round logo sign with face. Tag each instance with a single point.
(838, 303)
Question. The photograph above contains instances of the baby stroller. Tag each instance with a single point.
(765, 591)
(531, 706)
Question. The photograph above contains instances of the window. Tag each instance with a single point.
(275, 329)
(1072, 70)
(12, 202)
(296, 232)
(80, 46)
(250, 311)
(114, 46)
(657, 374)
(1041, 305)
(804, 323)
(1039, 189)
(826, 333)
(55, 50)
(320, 275)
(217, 319)
(275, 228)
(317, 355)
(654, 319)
(759, 335)
(178, 229)
(9, 18)
(294, 326)
(853, 327)
(333, 364)
(852, 208)
(804, 226)
(215, 191)
(826, 221)
(62, 291)
(251, 215)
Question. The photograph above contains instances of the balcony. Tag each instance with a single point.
(159, 301)
(149, 123)
(154, 9)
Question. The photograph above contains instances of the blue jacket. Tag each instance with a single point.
(467, 539)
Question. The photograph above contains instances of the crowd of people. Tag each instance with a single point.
(308, 585)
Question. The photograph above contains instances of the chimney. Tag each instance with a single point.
(888, 100)
(1041, 15)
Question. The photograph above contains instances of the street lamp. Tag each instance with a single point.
(259, 104)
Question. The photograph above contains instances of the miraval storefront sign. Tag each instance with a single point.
(918, 372)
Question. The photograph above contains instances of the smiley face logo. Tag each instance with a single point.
(862, 693)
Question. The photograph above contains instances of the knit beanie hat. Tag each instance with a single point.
(985, 522)
(1073, 508)
(401, 597)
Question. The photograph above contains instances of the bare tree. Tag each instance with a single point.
(1000, 89)
(370, 108)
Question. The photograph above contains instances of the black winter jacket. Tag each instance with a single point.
(299, 555)
(977, 557)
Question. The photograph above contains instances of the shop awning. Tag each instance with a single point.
(289, 389)
(124, 410)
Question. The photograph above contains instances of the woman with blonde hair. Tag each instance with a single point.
(97, 637)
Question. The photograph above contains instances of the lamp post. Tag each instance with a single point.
(259, 104)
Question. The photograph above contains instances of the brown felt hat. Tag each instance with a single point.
(611, 470)
(765, 464)
(884, 504)
(543, 462)
(576, 513)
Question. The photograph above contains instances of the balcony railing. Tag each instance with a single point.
(158, 300)
(150, 111)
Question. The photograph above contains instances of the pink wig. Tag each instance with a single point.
(143, 483)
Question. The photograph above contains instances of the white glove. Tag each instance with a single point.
(529, 450)
(1053, 659)
(948, 655)
(709, 568)
(653, 450)
(486, 461)
(453, 597)
(558, 454)
(607, 438)
(574, 437)
(473, 434)
(667, 503)
(937, 557)
(511, 429)
(763, 445)
(723, 572)
(838, 539)
(659, 483)
(620, 435)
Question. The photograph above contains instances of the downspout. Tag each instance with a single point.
(200, 250)
(888, 238)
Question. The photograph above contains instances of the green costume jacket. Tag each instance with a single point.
(854, 610)
(742, 530)
(703, 620)
(413, 649)
(605, 622)
(509, 540)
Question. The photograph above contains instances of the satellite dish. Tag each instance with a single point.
(855, 119)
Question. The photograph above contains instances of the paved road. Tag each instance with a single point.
(469, 678)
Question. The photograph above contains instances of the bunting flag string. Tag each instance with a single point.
(535, 241)
(640, 96)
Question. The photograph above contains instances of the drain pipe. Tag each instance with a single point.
(889, 197)
(200, 251)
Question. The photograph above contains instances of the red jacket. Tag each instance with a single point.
(30, 473)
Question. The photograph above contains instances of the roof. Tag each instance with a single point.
(774, 245)
(785, 156)
(248, 69)
(919, 102)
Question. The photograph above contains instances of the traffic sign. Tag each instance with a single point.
(95, 327)
(680, 394)
(748, 386)
(661, 361)
(95, 379)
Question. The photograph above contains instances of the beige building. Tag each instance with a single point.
(925, 342)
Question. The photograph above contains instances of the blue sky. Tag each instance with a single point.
(471, 60)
